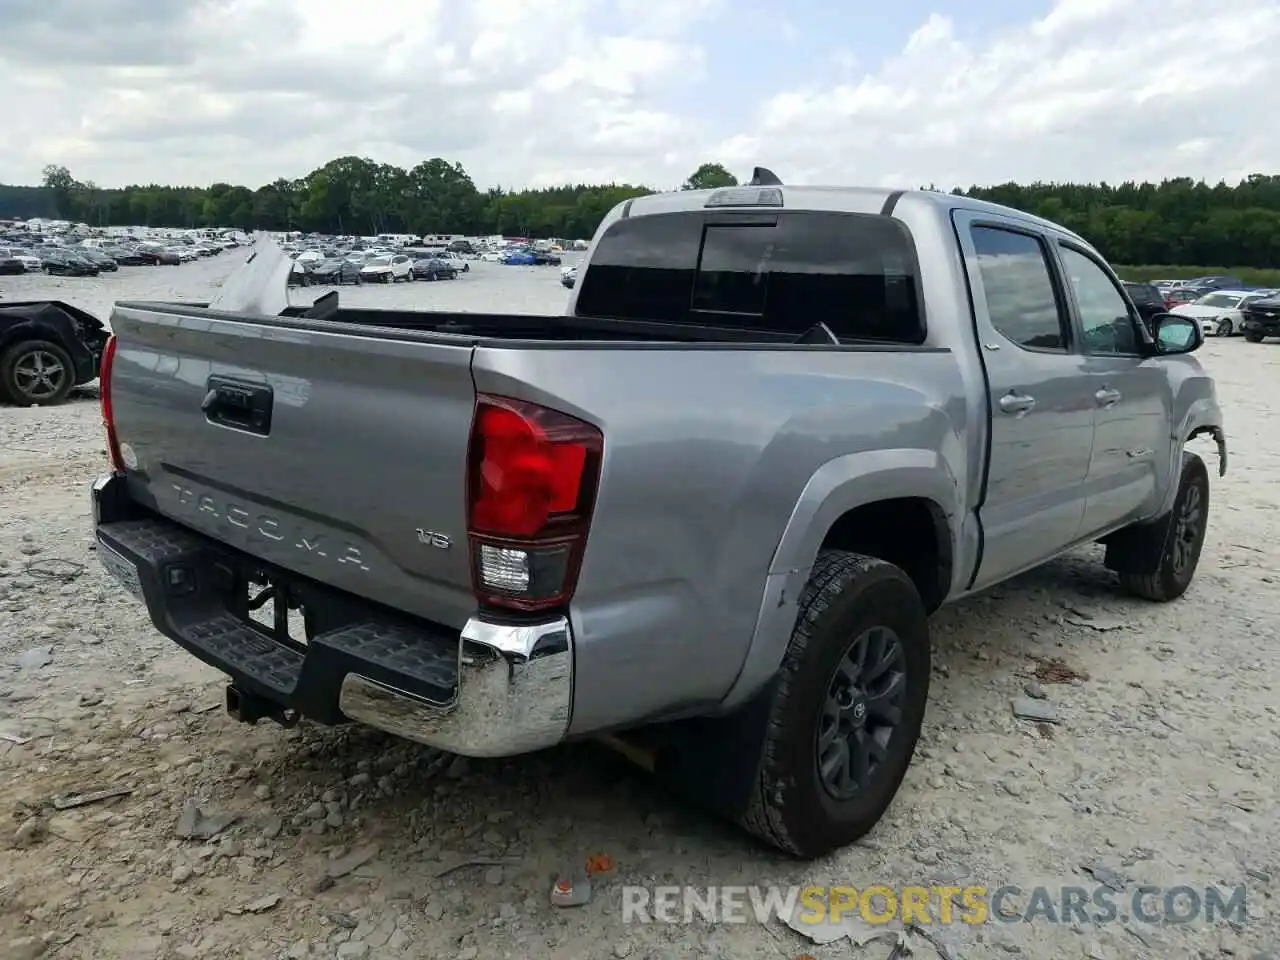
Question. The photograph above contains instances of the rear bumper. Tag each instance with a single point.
(493, 689)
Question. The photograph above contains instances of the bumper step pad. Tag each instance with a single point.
(188, 583)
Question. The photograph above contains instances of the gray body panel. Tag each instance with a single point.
(724, 468)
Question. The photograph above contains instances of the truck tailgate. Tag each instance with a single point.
(335, 455)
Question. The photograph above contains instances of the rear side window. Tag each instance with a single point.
(1022, 300)
(781, 274)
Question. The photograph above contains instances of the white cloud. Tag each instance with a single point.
(524, 93)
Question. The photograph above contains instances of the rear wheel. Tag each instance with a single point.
(36, 372)
(847, 707)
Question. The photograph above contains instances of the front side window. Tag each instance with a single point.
(1106, 323)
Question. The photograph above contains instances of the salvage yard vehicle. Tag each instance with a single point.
(46, 348)
(1220, 313)
(64, 262)
(336, 271)
(1261, 318)
(434, 268)
(387, 269)
(705, 514)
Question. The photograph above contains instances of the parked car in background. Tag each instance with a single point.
(185, 253)
(99, 258)
(521, 257)
(46, 348)
(453, 260)
(1147, 298)
(65, 263)
(299, 275)
(1203, 285)
(11, 266)
(568, 277)
(125, 256)
(30, 262)
(1221, 313)
(335, 271)
(1177, 295)
(434, 268)
(1262, 317)
(150, 256)
(387, 269)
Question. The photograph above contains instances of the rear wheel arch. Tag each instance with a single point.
(898, 514)
(909, 532)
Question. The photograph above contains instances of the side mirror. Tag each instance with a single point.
(1174, 334)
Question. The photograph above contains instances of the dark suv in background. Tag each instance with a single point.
(1147, 298)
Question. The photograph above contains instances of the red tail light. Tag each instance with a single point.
(531, 488)
(108, 414)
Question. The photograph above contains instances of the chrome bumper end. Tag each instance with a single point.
(515, 694)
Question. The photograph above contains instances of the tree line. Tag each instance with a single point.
(1176, 221)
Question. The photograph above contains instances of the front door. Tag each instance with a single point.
(1041, 405)
(1131, 395)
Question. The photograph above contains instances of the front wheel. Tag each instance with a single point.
(846, 707)
(1225, 329)
(1253, 336)
(1163, 555)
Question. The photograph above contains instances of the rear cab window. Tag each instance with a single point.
(776, 274)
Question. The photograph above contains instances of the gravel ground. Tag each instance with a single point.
(346, 843)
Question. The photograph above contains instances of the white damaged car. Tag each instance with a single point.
(1220, 313)
(387, 269)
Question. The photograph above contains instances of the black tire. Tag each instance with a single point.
(1170, 549)
(18, 389)
(848, 596)
(1253, 336)
(1226, 328)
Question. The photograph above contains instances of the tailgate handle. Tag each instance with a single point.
(238, 405)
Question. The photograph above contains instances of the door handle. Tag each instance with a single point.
(1018, 403)
(1107, 397)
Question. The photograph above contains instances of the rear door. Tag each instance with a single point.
(1041, 409)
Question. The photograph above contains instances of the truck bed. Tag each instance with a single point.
(515, 330)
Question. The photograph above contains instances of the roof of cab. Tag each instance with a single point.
(840, 199)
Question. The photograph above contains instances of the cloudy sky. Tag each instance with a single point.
(522, 92)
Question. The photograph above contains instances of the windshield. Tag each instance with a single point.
(380, 262)
(1217, 300)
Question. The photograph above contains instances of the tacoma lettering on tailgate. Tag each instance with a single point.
(271, 528)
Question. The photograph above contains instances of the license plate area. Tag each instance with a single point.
(123, 570)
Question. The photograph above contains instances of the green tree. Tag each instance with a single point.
(708, 176)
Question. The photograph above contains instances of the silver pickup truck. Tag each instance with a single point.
(704, 515)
